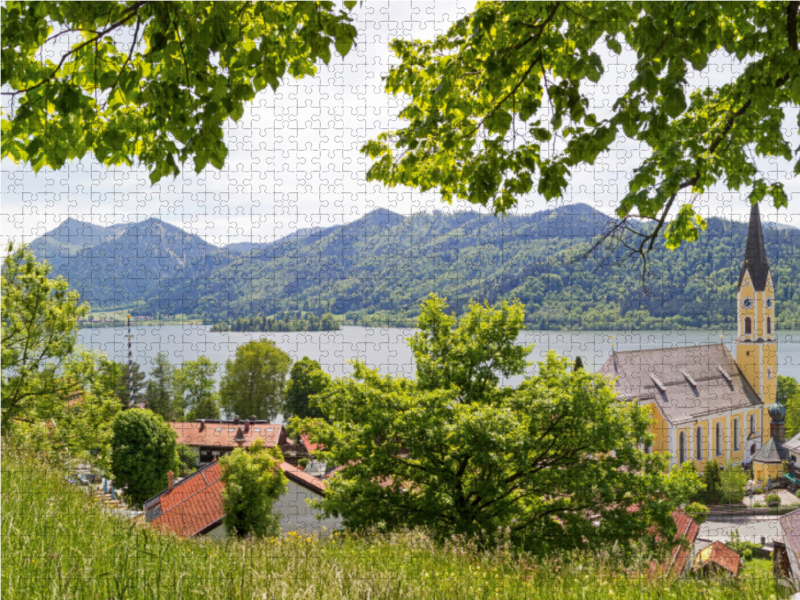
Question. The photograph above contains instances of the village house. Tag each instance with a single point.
(786, 556)
(717, 559)
(193, 506)
(214, 438)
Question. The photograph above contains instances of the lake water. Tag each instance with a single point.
(386, 348)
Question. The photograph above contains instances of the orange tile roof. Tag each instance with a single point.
(193, 505)
(720, 555)
(311, 447)
(222, 435)
(688, 529)
(302, 478)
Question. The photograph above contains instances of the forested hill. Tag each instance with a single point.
(379, 268)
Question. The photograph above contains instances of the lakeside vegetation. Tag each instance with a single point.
(58, 542)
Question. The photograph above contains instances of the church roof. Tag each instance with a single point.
(772, 452)
(687, 383)
(755, 254)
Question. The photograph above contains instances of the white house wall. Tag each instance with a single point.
(297, 515)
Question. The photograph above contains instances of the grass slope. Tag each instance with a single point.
(56, 543)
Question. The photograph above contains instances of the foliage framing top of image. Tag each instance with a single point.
(150, 80)
(486, 101)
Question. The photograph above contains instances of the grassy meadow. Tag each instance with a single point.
(57, 543)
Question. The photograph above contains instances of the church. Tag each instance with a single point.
(707, 403)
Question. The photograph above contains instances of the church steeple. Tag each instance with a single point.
(756, 341)
(755, 253)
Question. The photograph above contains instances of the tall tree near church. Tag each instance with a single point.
(554, 462)
(117, 376)
(193, 385)
(254, 380)
(307, 379)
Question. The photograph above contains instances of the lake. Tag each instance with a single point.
(386, 349)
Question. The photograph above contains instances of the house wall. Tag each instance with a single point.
(709, 438)
(761, 472)
(297, 515)
(659, 429)
(218, 532)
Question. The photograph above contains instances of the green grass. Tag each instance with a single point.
(56, 543)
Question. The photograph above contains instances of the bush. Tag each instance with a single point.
(303, 462)
(758, 505)
(773, 499)
(747, 554)
(188, 458)
(699, 512)
(758, 491)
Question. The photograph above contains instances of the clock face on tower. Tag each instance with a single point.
(747, 303)
(769, 302)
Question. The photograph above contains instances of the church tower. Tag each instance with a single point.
(756, 341)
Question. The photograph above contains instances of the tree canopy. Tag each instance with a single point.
(150, 81)
(193, 386)
(306, 379)
(254, 380)
(504, 103)
(159, 392)
(253, 482)
(143, 450)
(555, 461)
(40, 330)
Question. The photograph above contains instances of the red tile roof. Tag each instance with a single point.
(721, 555)
(310, 446)
(688, 529)
(222, 435)
(302, 478)
(193, 505)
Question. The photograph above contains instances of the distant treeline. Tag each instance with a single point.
(309, 322)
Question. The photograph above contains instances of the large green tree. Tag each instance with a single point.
(193, 386)
(117, 375)
(143, 450)
(159, 393)
(306, 379)
(555, 462)
(254, 381)
(150, 81)
(253, 482)
(39, 331)
(504, 103)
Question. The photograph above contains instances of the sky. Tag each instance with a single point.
(294, 159)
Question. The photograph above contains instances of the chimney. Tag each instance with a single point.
(235, 419)
(170, 480)
(246, 426)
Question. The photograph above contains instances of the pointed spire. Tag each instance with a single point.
(755, 254)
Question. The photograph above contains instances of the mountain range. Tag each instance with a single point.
(381, 266)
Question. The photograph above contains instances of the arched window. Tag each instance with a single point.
(752, 424)
(699, 443)
(736, 433)
(748, 326)
(769, 372)
(769, 325)
(718, 443)
(682, 448)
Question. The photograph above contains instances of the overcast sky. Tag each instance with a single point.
(294, 157)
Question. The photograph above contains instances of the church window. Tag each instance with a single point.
(699, 443)
(769, 372)
(752, 423)
(682, 448)
(736, 434)
(718, 443)
(769, 325)
(748, 326)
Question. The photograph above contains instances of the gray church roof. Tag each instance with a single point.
(755, 254)
(772, 452)
(687, 383)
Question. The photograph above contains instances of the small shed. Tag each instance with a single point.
(717, 559)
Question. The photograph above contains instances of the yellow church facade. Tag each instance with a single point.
(707, 403)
